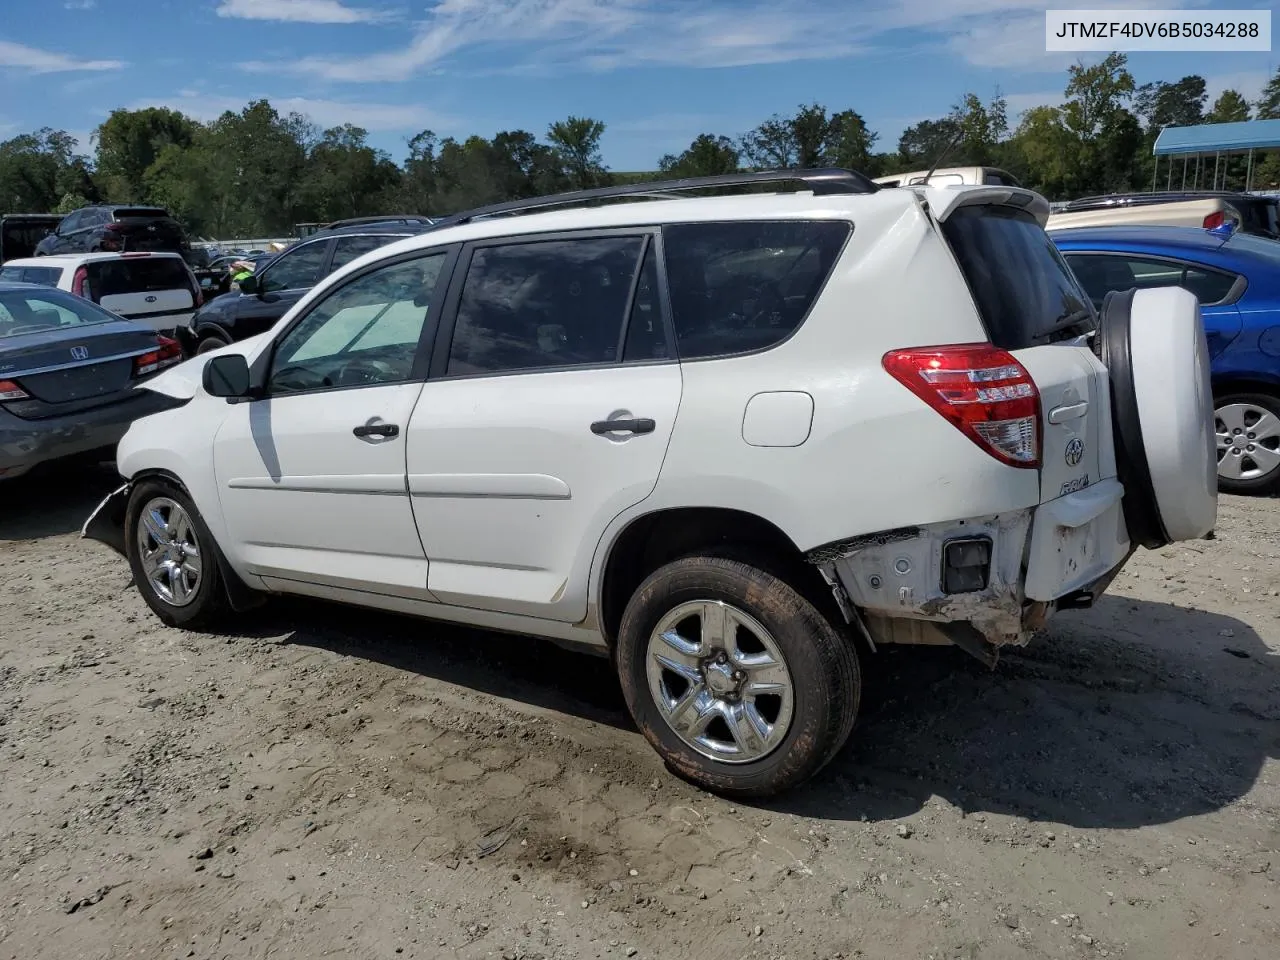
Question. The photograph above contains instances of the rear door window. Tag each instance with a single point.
(740, 287)
(108, 278)
(541, 304)
(346, 249)
(1024, 291)
(1103, 272)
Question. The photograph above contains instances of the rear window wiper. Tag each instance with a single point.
(1063, 323)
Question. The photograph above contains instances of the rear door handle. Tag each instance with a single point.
(1069, 411)
(376, 430)
(642, 425)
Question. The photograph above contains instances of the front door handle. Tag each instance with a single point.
(376, 430)
(631, 425)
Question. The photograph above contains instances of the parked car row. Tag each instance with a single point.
(734, 442)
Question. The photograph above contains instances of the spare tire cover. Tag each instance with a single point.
(1153, 345)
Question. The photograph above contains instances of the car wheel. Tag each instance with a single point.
(210, 342)
(173, 556)
(739, 682)
(1248, 433)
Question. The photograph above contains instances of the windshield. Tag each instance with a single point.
(37, 310)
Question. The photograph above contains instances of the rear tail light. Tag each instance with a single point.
(1215, 219)
(77, 281)
(168, 352)
(11, 391)
(982, 390)
(113, 227)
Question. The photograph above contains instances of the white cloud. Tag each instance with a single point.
(34, 60)
(373, 117)
(298, 11)
(519, 35)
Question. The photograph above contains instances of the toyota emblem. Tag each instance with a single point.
(1075, 451)
(80, 353)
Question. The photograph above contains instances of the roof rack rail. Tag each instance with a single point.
(383, 218)
(820, 180)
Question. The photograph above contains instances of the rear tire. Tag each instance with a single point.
(742, 686)
(211, 342)
(1248, 443)
(173, 557)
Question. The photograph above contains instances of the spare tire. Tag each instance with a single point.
(1153, 345)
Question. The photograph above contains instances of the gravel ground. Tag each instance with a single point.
(326, 782)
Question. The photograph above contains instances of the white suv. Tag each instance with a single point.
(157, 290)
(727, 440)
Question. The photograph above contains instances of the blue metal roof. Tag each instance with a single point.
(1218, 137)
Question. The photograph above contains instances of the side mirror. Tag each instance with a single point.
(227, 376)
(249, 284)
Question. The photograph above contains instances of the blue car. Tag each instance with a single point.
(1237, 280)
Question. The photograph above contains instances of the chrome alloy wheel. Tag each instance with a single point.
(1248, 441)
(720, 681)
(169, 551)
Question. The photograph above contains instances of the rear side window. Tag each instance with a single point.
(548, 303)
(1103, 272)
(44, 276)
(11, 274)
(122, 213)
(107, 278)
(347, 249)
(1024, 291)
(740, 287)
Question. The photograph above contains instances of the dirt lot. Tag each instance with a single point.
(332, 783)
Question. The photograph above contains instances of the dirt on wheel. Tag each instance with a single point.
(329, 782)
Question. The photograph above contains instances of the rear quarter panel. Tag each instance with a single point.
(876, 456)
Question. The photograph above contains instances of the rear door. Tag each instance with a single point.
(554, 391)
(155, 290)
(1033, 306)
(1217, 290)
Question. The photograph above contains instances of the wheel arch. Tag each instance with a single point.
(1234, 383)
(240, 595)
(658, 537)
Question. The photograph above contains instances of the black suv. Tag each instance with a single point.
(281, 281)
(116, 228)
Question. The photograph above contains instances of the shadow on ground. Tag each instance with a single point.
(1131, 714)
(53, 500)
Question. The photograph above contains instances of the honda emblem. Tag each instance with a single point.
(80, 353)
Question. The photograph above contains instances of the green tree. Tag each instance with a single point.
(810, 138)
(1230, 107)
(982, 128)
(921, 144)
(345, 177)
(707, 156)
(38, 169)
(1268, 105)
(1178, 104)
(577, 142)
(129, 142)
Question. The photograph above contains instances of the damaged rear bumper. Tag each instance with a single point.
(1059, 554)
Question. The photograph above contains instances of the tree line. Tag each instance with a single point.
(258, 172)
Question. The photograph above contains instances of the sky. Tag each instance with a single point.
(657, 72)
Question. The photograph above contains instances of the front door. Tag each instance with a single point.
(553, 396)
(312, 476)
(281, 284)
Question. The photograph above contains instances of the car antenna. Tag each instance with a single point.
(943, 155)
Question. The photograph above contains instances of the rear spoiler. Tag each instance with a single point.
(944, 201)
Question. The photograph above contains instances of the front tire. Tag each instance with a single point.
(739, 682)
(1248, 443)
(173, 556)
(210, 342)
